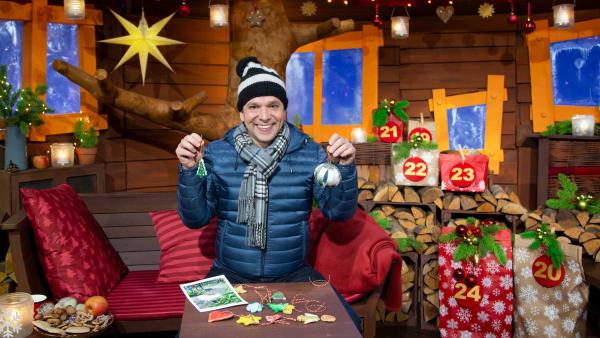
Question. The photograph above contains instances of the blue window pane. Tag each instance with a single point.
(342, 87)
(575, 72)
(299, 83)
(63, 95)
(11, 50)
(466, 127)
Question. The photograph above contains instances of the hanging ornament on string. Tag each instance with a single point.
(184, 9)
(528, 26)
(512, 17)
(377, 21)
(308, 8)
(255, 18)
(486, 10)
(444, 13)
(328, 174)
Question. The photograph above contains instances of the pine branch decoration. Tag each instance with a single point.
(543, 236)
(402, 150)
(404, 244)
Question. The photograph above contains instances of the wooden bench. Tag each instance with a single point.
(125, 220)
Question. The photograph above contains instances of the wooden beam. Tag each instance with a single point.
(15, 11)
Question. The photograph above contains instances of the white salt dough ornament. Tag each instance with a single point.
(327, 175)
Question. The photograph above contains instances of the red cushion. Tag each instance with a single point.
(185, 254)
(140, 297)
(77, 258)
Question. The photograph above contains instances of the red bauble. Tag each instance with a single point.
(476, 232)
(461, 230)
(488, 221)
(184, 10)
(528, 26)
(459, 274)
(377, 22)
(471, 280)
(512, 19)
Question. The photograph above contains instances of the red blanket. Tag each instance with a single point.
(356, 255)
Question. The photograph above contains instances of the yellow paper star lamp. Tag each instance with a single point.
(486, 10)
(248, 320)
(143, 40)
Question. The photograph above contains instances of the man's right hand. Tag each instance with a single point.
(190, 150)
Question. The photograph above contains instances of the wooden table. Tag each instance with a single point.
(195, 323)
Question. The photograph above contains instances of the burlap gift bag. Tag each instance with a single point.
(549, 302)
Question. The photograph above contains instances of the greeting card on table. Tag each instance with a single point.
(211, 294)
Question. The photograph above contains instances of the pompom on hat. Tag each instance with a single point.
(257, 80)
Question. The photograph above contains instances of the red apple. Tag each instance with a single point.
(40, 161)
(96, 305)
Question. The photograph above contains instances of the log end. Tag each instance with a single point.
(101, 74)
(59, 65)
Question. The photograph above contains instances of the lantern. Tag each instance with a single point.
(62, 154)
(219, 15)
(74, 9)
(564, 16)
(400, 27)
(327, 175)
(583, 125)
(16, 312)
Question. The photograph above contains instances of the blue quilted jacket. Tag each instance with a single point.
(291, 191)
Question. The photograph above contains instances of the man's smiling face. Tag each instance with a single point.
(263, 116)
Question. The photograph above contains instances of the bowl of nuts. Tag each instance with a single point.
(67, 318)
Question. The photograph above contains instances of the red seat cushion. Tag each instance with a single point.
(140, 297)
(185, 254)
(77, 258)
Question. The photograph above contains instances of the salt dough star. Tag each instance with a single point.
(248, 320)
(288, 309)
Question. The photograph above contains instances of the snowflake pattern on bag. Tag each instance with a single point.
(492, 316)
(549, 312)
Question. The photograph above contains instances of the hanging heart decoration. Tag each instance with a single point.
(444, 13)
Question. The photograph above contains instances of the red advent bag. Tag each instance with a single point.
(476, 300)
(468, 175)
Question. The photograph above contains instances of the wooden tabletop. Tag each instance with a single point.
(195, 323)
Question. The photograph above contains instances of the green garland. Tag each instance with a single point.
(383, 222)
(568, 199)
(380, 115)
(402, 150)
(404, 244)
(470, 247)
(558, 128)
(543, 236)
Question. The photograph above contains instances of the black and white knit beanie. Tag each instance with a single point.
(258, 80)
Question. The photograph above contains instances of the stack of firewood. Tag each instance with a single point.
(408, 288)
(572, 226)
(430, 302)
(495, 199)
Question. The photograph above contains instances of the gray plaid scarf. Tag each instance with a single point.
(254, 191)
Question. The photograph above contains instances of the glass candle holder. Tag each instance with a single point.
(74, 9)
(62, 154)
(358, 135)
(400, 27)
(16, 311)
(564, 16)
(583, 125)
(219, 16)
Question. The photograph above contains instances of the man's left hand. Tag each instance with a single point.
(341, 149)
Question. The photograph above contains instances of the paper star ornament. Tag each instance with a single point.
(248, 320)
(143, 40)
(486, 10)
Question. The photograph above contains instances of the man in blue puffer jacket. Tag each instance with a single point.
(259, 181)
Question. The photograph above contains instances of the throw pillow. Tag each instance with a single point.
(185, 254)
(75, 254)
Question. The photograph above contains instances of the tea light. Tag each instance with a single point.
(74, 9)
(583, 125)
(62, 154)
(358, 135)
(16, 311)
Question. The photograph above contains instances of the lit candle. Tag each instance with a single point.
(400, 27)
(358, 135)
(74, 9)
(219, 16)
(62, 154)
(16, 311)
(564, 15)
(583, 125)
